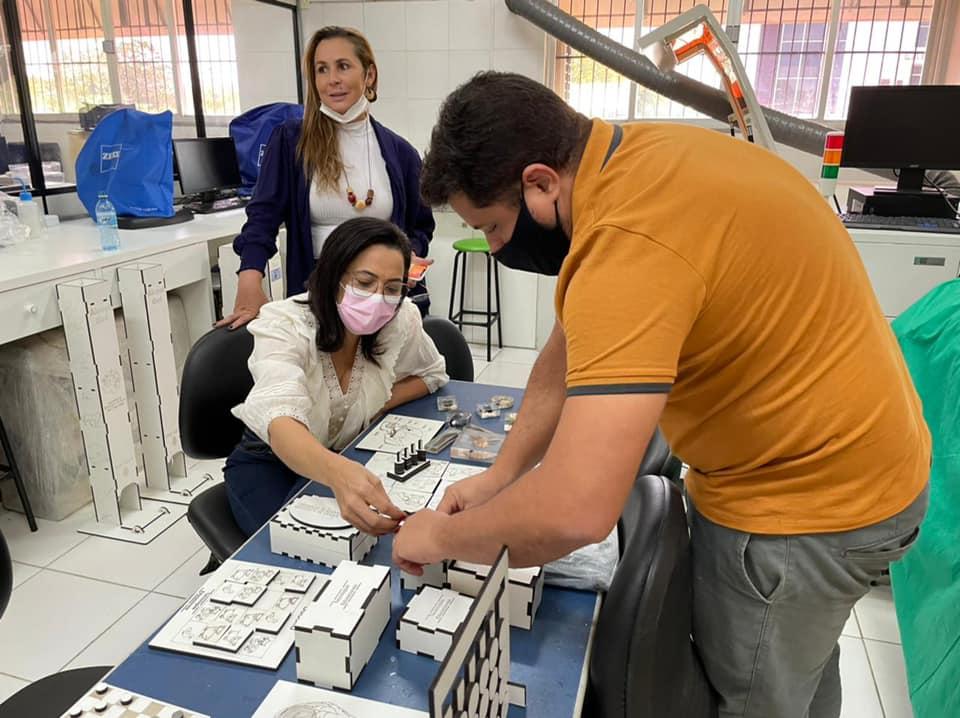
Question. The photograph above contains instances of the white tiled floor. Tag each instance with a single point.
(185, 580)
(128, 632)
(505, 374)
(81, 600)
(131, 564)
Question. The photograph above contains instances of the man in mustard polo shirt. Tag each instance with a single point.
(706, 286)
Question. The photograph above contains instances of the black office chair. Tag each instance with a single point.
(659, 460)
(50, 696)
(6, 575)
(451, 344)
(644, 664)
(215, 379)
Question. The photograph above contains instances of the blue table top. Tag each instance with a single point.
(549, 660)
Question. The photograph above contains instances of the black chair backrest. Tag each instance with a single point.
(6, 574)
(657, 456)
(643, 663)
(451, 344)
(215, 379)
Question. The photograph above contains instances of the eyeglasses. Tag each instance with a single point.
(365, 284)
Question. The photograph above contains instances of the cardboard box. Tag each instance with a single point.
(337, 633)
(525, 588)
(328, 547)
(430, 621)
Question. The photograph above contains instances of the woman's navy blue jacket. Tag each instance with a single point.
(282, 196)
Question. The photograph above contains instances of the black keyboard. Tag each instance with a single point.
(218, 205)
(901, 224)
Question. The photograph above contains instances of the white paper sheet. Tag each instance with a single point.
(395, 433)
(285, 697)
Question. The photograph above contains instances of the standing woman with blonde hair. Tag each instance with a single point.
(336, 164)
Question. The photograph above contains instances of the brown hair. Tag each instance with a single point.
(489, 129)
(319, 149)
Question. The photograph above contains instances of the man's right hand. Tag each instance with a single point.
(250, 298)
(472, 492)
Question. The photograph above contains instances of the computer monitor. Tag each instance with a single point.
(207, 165)
(910, 129)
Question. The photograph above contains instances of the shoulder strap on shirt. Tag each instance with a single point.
(614, 143)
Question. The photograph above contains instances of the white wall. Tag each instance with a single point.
(265, 53)
(426, 48)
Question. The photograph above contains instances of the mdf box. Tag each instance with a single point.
(328, 547)
(430, 621)
(337, 633)
(525, 588)
(434, 574)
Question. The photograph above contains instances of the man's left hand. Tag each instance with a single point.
(417, 543)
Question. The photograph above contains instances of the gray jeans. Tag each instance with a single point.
(768, 610)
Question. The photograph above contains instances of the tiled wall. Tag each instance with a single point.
(426, 48)
(265, 53)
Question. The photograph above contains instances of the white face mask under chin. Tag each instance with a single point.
(352, 113)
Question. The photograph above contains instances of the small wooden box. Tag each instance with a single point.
(337, 633)
(525, 588)
(430, 621)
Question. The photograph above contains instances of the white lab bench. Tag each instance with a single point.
(30, 272)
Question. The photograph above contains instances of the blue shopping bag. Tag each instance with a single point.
(251, 131)
(129, 155)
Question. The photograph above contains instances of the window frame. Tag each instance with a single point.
(28, 119)
(944, 25)
(172, 35)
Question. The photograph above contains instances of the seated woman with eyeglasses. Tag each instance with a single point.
(325, 363)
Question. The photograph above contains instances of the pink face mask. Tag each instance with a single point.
(364, 315)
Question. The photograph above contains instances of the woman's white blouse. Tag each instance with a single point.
(293, 378)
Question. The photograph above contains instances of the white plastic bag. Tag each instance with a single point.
(589, 568)
(11, 230)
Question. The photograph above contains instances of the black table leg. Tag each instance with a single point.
(17, 478)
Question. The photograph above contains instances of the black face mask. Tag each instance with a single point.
(534, 248)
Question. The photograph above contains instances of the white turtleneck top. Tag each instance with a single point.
(328, 208)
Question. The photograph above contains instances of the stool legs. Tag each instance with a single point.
(496, 284)
(489, 306)
(463, 288)
(489, 314)
(453, 287)
(17, 478)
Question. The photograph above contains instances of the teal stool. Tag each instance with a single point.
(464, 247)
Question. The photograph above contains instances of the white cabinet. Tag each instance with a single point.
(904, 266)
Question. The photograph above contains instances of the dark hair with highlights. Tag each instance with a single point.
(489, 129)
(343, 245)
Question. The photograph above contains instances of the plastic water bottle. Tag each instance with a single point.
(107, 224)
(31, 214)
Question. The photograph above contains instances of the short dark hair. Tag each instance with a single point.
(489, 129)
(342, 246)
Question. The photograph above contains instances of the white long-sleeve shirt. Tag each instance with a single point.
(293, 378)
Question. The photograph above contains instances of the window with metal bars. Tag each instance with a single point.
(802, 56)
(127, 51)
